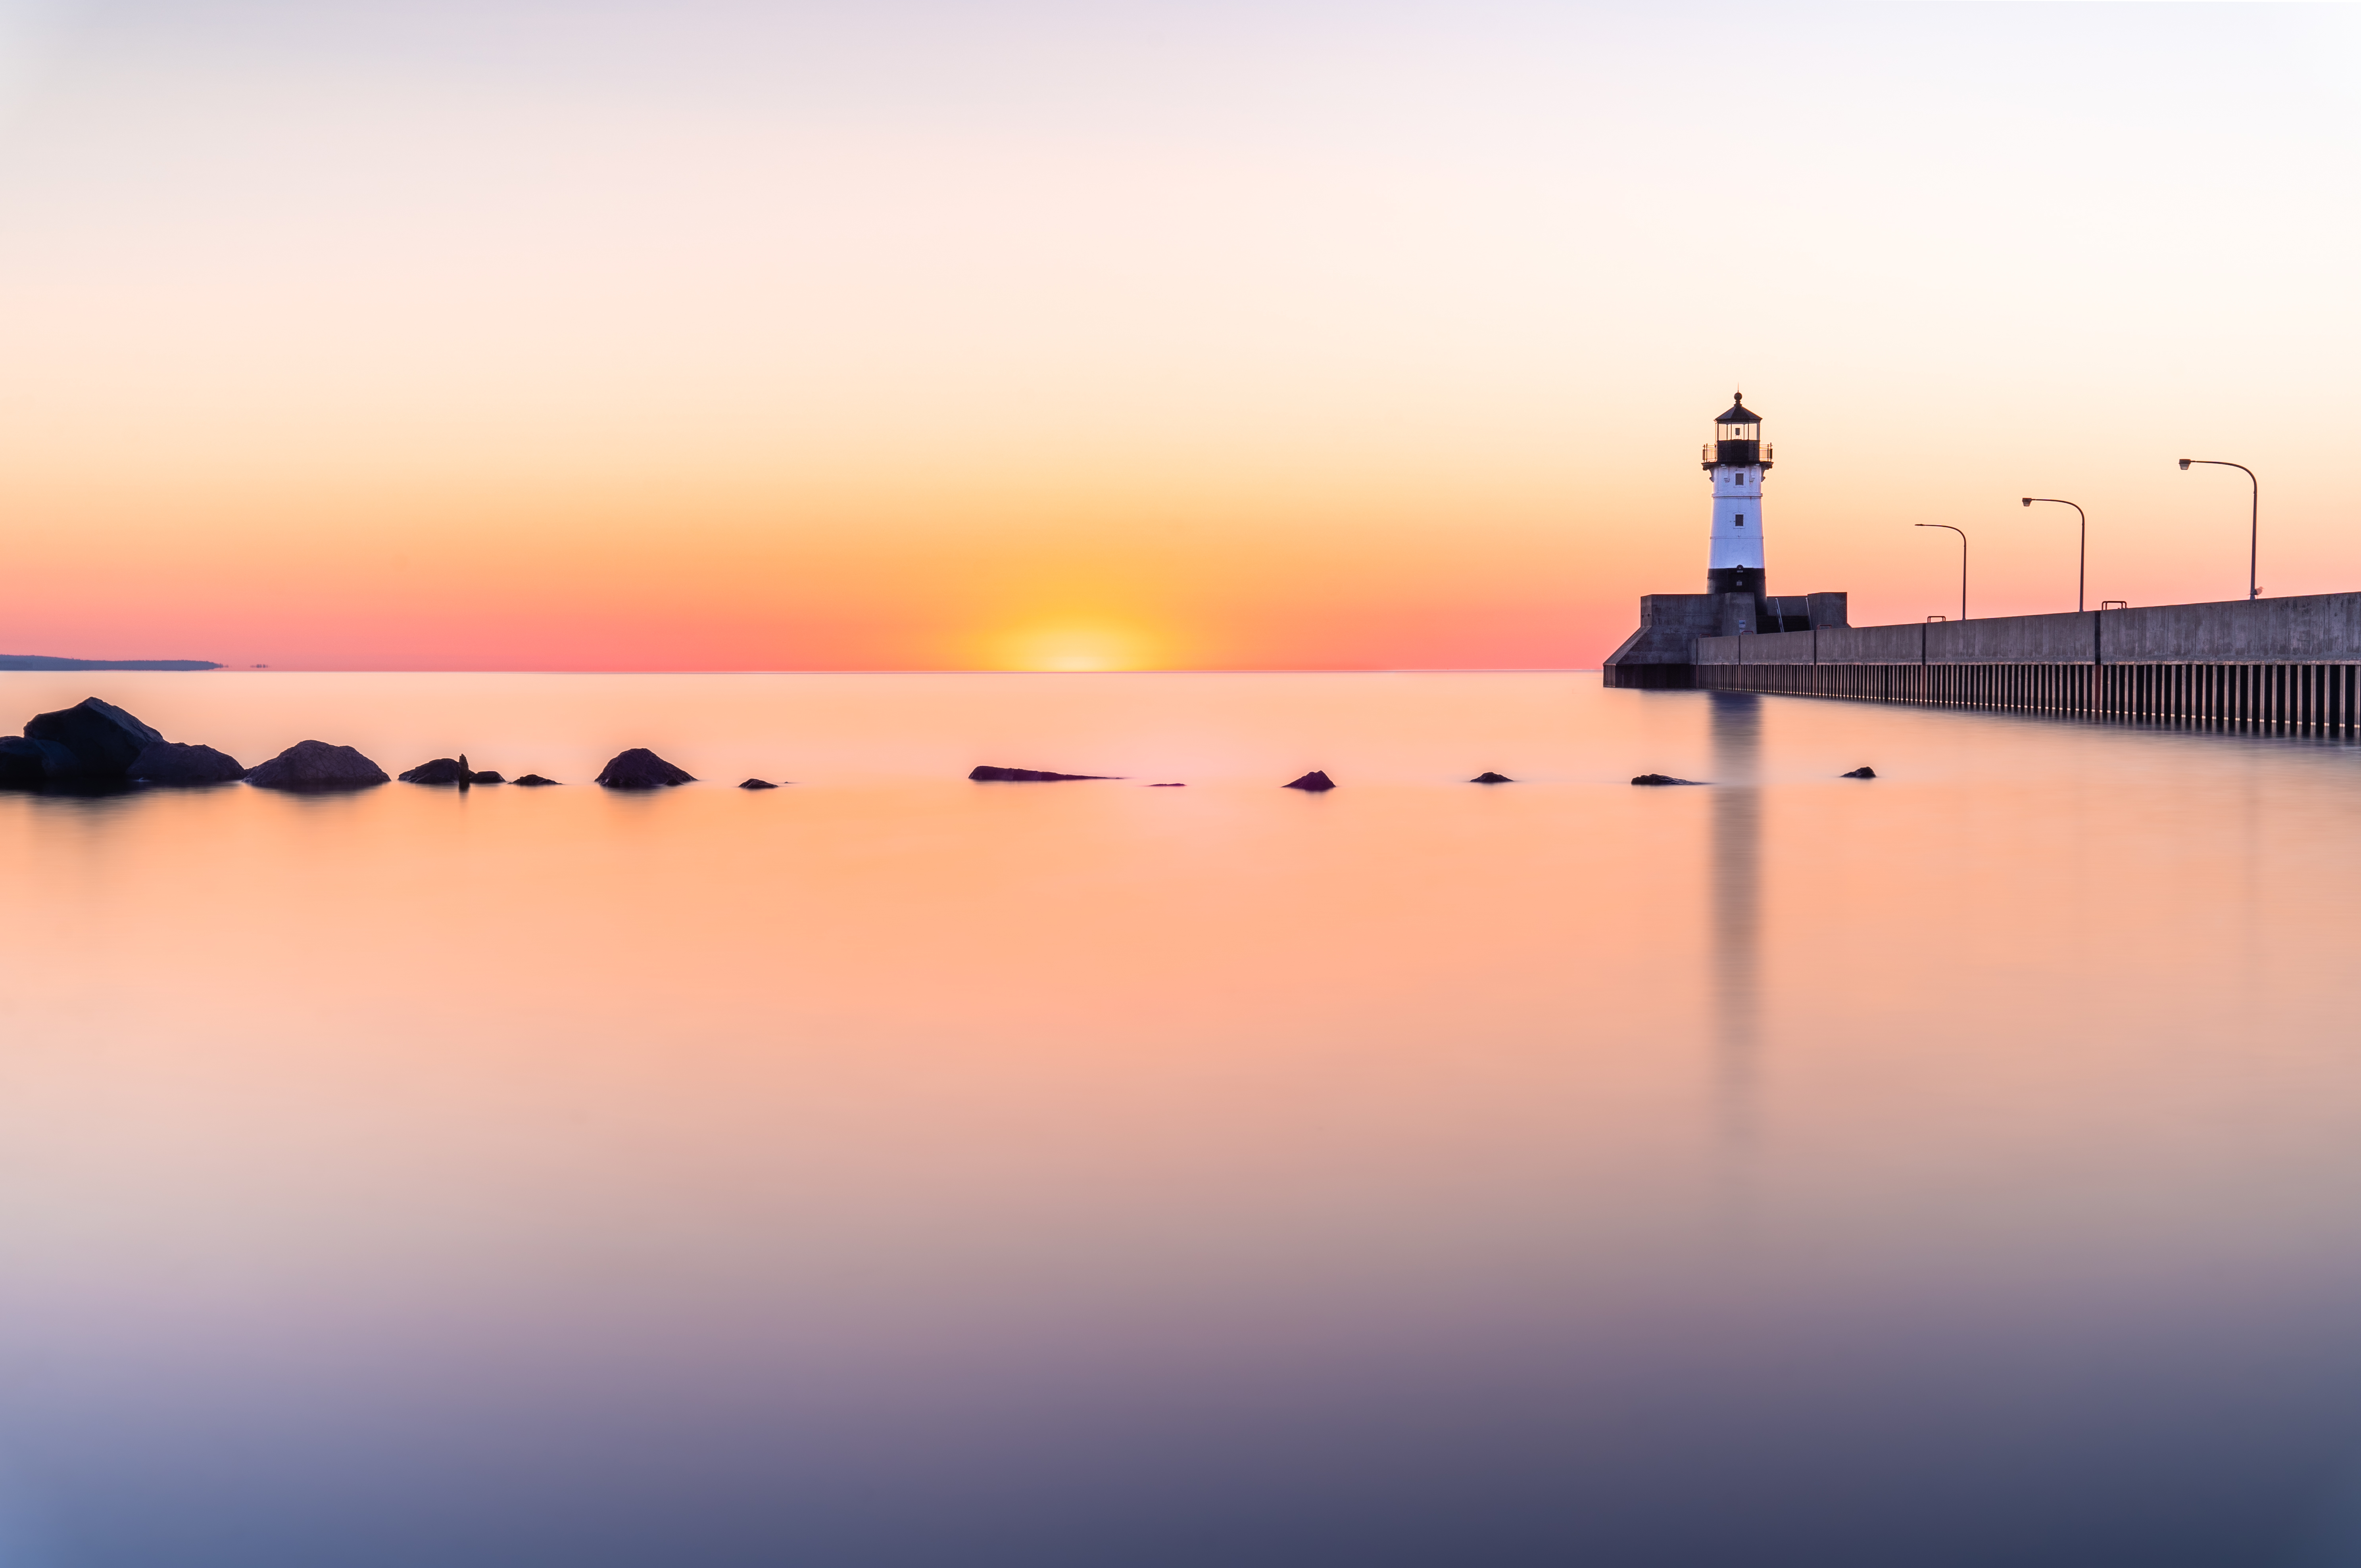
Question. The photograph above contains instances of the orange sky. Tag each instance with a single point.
(724, 335)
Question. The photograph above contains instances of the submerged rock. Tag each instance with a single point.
(1314, 780)
(758, 784)
(1661, 779)
(1491, 778)
(487, 776)
(640, 768)
(1859, 774)
(534, 781)
(1028, 775)
(172, 762)
(1168, 786)
(315, 764)
(441, 771)
(27, 762)
(105, 739)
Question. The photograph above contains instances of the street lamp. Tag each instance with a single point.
(2082, 560)
(1963, 561)
(2253, 517)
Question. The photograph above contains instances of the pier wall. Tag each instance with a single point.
(2291, 662)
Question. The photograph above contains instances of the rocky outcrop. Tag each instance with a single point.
(1314, 780)
(105, 739)
(1491, 778)
(441, 771)
(316, 765)
(1028, 775)
(1661, 779)
(640, 768)
(758, 784)
(485, 777)
(1859, 774)
(172, 762)
(26, 764)
(534, 781)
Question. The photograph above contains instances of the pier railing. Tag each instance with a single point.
(2310, 697)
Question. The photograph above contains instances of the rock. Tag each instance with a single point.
(1314, 780)
(171, 762)
(1028, 775)
(449, 771)
(1859, 774)
(315, 764)
(103, 739)
(757, 784)
(640, 768)
(534, 781)
(28, 763)
(1661, 779)
(1167, 786)
(1491, 778)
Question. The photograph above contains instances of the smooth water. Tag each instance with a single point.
(1961, 1168)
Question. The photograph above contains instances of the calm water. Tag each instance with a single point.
(1962, 1167)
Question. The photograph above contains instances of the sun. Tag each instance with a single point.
(1074, 647)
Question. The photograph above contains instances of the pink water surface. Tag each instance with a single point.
(1955, 1168)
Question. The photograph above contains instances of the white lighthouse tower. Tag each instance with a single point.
(1736, 460)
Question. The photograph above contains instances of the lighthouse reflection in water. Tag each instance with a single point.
(1955, 1168)
(1736, 849)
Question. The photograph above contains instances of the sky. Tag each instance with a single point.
(700, 334)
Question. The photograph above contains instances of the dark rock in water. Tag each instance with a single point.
(758, 784)
(1168, 786)
(171, 762)
(534, 781)
(103, 739)
(1028, 775)
(449, 771)
(1491, 778)
(1314, 780)
(315, 764)
(31, 764)
(1661, 779)
(1859, 774)
(640, 768)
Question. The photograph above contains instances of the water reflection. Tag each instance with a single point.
(894, 1172)
(1735, 721)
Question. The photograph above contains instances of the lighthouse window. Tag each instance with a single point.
(1741, 519)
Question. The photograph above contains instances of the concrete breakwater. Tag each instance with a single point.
(2285, 663)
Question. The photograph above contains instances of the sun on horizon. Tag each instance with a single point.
(1074, 647)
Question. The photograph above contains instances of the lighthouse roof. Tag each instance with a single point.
(1738, 412)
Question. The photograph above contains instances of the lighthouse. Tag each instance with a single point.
(1674, 628)
(1736, 461)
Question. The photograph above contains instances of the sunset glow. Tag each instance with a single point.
(924, 336)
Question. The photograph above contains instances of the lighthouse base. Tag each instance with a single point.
(1662, 656)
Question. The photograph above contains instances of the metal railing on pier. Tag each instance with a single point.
(2309, 698)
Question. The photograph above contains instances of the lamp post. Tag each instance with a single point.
(1963, 561)
(2083, 557)
(2254, 516)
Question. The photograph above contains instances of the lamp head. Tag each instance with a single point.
(2184, 465)
(2028, 500)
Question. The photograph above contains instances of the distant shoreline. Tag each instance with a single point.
(44, 662)
(41, 661)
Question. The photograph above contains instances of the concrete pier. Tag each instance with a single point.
(2285, 662)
